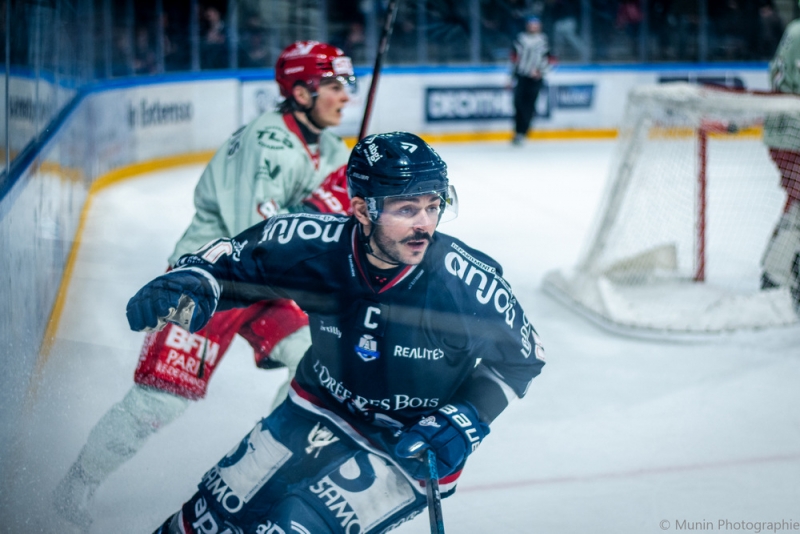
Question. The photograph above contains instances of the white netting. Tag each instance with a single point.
(668, 254)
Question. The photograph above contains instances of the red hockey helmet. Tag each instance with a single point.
(309, 62)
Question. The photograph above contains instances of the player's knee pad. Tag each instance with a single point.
(780, 262)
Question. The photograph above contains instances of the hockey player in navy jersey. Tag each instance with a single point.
(417, 343)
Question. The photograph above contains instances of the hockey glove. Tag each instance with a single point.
(331, 195)
(181, 297)
(453, 433)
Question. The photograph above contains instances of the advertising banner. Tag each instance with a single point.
(175, 118)
(481, 100)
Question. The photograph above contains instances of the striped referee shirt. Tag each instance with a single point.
(532, 51)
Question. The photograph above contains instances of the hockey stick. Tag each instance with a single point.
(434, 497)
(383, 47)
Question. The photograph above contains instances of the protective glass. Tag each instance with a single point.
(420, 209)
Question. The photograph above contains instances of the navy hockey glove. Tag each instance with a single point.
(453, 433)
(181, 297)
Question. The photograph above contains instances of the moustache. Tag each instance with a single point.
(418, 236)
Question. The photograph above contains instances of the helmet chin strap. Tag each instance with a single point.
(364, 239)
(307, 111)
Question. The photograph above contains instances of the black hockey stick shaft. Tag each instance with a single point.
(434, 497)
(383, 47)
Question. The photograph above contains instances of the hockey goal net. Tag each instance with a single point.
(691, 202)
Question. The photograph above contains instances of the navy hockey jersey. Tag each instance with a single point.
(448, 329)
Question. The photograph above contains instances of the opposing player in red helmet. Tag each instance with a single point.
(308, 63)
(282, 161)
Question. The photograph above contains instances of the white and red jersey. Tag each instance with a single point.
(263, 169)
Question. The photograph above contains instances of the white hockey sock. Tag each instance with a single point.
(124, 429)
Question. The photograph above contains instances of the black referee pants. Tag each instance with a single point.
(525, 93)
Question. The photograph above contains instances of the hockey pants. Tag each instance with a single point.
(297, 472)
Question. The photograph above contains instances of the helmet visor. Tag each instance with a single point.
(419, 209)
(343, 72)
(350, 83)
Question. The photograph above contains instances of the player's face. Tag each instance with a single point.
(331, 99)
(405, 228)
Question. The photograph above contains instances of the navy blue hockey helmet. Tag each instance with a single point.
(398, 164)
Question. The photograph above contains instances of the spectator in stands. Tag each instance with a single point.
(214, 49)
(565, 15)
(144, 60)
(603, 17)
(254, 50)
(122, 61)
(629, 20)
(177, 46)
(771, 28)
(356, 40)
(731, 24)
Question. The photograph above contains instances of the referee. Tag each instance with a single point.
(531, 60)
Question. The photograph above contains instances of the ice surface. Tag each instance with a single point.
(615, 436)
